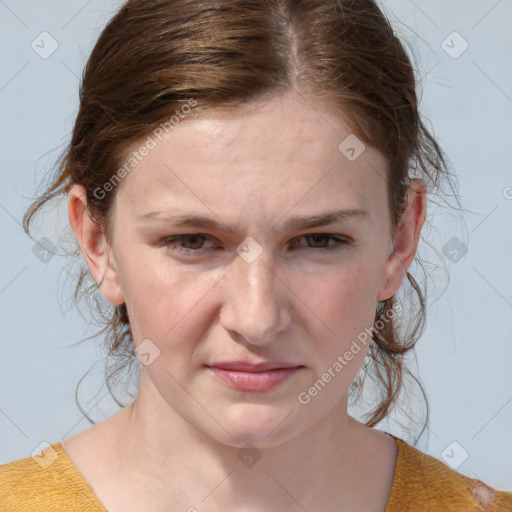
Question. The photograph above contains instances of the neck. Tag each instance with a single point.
(184, 465)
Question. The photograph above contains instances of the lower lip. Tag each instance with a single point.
(253, 381)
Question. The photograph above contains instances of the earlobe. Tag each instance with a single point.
(406, 240)
(97, 253)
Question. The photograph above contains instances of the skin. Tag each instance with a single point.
(178, 442)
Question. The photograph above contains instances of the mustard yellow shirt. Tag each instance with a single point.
(50, 482)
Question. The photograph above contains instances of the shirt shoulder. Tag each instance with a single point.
(46, 482)
(422, 483)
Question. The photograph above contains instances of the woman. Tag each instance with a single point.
(247, 182)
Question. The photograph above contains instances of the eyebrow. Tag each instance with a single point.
(295, 223)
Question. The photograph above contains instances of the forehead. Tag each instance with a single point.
(273, 154)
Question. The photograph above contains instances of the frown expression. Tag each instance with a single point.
(284, 296)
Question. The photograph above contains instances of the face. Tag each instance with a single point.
(249, 238)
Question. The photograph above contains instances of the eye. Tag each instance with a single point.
(193, 244)
(320, 240)
(177, 243)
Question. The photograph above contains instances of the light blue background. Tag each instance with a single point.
(465, 356)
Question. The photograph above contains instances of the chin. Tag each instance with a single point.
(263, 426)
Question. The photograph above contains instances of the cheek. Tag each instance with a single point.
(346, 304)
(163, 302)
(345, 299)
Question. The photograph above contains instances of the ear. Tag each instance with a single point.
(96, 251)
(406, 240)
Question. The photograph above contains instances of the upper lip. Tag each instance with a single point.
(252, 367)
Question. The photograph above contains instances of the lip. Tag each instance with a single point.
(244, 366)
(245, 376)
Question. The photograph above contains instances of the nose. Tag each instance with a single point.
(256, 307)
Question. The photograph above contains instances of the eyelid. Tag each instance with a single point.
(341, 241)
(346, 238)
(176, 239)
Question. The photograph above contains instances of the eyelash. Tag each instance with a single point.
(173, 242)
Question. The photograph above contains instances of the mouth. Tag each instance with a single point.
(253, 377)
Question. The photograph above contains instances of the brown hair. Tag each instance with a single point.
(154, 55)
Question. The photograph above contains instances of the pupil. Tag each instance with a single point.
(321, 237)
